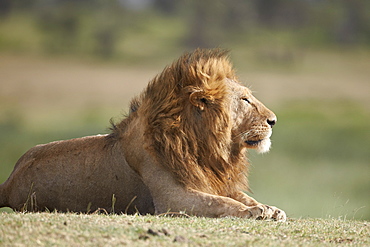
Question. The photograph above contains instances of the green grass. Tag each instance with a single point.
(54, 229)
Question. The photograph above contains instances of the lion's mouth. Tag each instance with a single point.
(253, 143)
(262, 145)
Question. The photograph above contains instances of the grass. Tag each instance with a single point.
(55, 229)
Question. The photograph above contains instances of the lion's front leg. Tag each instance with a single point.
(170, 196)
(219, 206)
(269, 212)
(207, 205)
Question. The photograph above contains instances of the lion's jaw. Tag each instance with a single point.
(262, 144)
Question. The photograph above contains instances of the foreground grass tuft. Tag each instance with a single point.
(46, 229)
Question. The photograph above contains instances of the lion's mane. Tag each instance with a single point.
(193, 142)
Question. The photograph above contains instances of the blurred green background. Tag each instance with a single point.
(67, 67)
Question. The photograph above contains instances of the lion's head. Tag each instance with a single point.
(252, 122)
(198, 120)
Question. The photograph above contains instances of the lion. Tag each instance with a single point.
(181, 148)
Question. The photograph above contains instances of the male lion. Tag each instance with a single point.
(180, 149)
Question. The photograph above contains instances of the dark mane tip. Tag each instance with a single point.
(134, 105)
(113, 126)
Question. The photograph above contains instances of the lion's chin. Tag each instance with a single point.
(261, 146)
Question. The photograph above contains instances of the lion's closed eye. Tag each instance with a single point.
(246, 100)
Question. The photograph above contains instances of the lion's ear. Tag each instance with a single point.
(198, 99)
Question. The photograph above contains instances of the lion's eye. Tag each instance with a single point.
(246, 100)
(204, 100)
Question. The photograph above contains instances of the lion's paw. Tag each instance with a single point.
(270, 212)
(278, 215)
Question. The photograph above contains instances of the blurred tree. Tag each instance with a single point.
(277, 13)
(167, 6)
(105, 42)
(353, 22)
(293, 14)
(266, 11)
(5, 7)
(198, 24)
(60, 23)
(106, 26)
(205, 21)
(239, 15)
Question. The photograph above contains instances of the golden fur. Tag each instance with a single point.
(184, 138)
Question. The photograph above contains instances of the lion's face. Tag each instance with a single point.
(252, 122)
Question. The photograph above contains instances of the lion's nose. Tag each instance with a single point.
(271, 121)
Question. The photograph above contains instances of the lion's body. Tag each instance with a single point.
(181, 148)
(78, 175)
